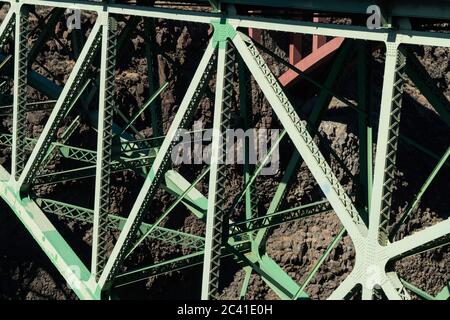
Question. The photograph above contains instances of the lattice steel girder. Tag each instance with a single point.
(171, 265)
(215, 216)
(19, 91)
(276, 218)
(160, 268)
(386, 142)
(104, 143)
(412, 244)
(173, 237)
(90, 171)
(388, 147)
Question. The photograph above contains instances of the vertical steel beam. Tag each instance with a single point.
(159, 166)
(295, 48)
(386, 152)
(365, 177)
(104, 143)
(216, 217)
(153, 76)
(20, 91)
(246, 113)
(213, 238)
(318, 40)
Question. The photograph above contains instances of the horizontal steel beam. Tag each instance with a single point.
(86, 215)
(286, 25)
(280, 217)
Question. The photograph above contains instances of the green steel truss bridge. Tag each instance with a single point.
(232, 57)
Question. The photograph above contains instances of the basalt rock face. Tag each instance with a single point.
(26, 273)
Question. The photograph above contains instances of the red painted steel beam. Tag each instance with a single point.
(314, 59)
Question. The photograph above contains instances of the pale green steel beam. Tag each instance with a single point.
(416, 290)
(19, 91)
(158, 168)
(384, 130)
(271, 273)
(244, 288)
(215, 214)
(418, 239)
(48, 238)
(364, 97)
(81, 214)
(444, 294)
(246, 114)
(303, 141)
(103, 171)
(390, 161)
(160, 268)
(344, 289)
(421, 248)
(151, 57)
(295, 26)
(276, 218)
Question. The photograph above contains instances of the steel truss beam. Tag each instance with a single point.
(276, 218)
(216, 216)
(373, 248)
(173, 237)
